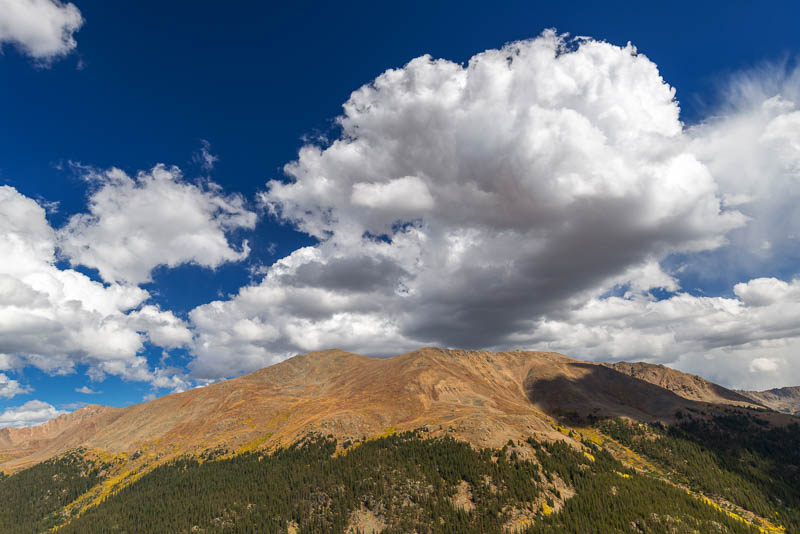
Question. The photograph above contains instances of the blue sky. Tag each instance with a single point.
(661, 216)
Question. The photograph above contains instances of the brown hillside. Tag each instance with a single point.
(686, 385)
(55, 436)
(482, 397)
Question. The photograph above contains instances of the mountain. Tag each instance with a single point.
(481, 397)
(430, 441)
(24, 446)
(785, 400)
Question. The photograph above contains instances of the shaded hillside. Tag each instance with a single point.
(785, 400)
(582, 389)
(686, 385)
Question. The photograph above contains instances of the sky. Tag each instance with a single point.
(190, 191)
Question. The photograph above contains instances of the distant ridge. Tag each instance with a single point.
(785, 400)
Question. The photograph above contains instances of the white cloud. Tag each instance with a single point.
(156, 218)
(86, 390)
(33, 412)
(9, 362)
(763, 365)
(721, 338)
(163, 328)
(43, 29)
(402, 196)
(55, 318)
(10, 388)
(527, 199)
(204, 157)
(463, 203)
(752, 148)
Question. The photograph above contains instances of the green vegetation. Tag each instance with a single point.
(615, 500)
(736, 456)
(406, 480)
(408, 483)
(32, 499)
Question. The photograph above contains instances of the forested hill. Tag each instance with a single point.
(722, 475)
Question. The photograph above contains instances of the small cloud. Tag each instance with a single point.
(102, 238)
(50, 206)
(204, 157)
(42, 29)
(10, 388)
(86, 390)
(73, 405)
(763, 365)
(150, 396)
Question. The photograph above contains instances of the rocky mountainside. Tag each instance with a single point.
(786, 400)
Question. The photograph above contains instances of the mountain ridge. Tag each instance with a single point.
(686, 385)
(484, 398)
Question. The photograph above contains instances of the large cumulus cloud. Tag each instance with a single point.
(543, 195)
(54, 318)
(462, 204)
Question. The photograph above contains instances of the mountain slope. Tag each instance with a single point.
(481, 397)
(785, 400)
(24, 446)
(686, 385)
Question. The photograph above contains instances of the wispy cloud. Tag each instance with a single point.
(204, 157)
